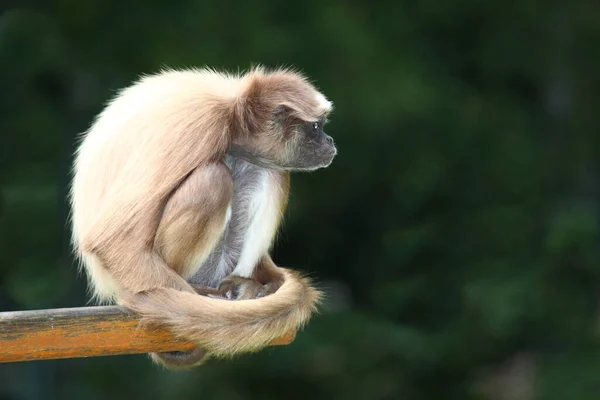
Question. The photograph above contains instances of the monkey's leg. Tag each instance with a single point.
(192, 223)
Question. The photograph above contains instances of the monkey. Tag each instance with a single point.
(178, 191)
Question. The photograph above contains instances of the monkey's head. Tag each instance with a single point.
(281, 119)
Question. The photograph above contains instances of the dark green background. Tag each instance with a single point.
(457, 232)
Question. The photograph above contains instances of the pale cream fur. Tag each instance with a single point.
(153, 137)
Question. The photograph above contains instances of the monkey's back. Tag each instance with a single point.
(126, 159)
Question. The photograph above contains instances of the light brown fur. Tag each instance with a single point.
(151, 192)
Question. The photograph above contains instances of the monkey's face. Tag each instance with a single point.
(288, 143)
(309, 147)
(282, 123)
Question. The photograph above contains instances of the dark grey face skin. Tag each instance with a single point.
(315, 150)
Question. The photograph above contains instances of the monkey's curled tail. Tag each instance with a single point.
(227, 327)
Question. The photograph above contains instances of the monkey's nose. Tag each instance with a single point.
(329, 139)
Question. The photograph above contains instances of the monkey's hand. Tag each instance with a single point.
(240, 288)
(236, 287)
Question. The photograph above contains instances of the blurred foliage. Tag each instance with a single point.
(457, 233)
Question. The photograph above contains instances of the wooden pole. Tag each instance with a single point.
(84, 332)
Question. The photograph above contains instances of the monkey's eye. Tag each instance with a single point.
(315, 126)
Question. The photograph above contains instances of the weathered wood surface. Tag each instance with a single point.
(84, 332)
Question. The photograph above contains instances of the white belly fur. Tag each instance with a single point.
(264, 210)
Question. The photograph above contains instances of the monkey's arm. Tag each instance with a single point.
(147, 253)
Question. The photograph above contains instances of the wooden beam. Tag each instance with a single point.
(84, 332)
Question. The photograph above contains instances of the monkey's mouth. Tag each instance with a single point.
(332, 155)
(331, 150)
(325, 157)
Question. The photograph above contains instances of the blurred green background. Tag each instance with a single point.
(457, 232)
